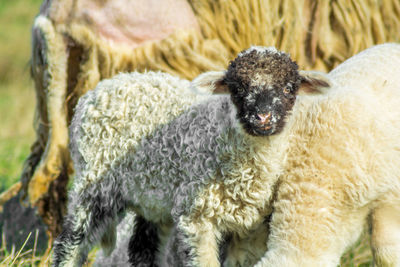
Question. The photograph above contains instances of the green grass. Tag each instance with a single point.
(359, 255)
(21, 257)
(17, 95)
(29, 257)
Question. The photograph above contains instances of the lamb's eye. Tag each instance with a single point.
(286, 90)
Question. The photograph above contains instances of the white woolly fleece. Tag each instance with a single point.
(341, 167)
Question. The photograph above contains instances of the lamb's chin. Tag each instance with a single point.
(259, 130)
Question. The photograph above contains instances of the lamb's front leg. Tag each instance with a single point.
(247, 250)
(196, 242)
(385, 226)
(310, 226)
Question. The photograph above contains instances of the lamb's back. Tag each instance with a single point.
(112, 119)
(351, 134)
(179, 158)
(376, 69)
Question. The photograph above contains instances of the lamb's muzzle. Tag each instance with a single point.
(264, 118)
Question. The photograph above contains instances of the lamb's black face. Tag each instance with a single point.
(263, 85)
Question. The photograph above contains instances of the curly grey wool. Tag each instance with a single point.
(122, 111)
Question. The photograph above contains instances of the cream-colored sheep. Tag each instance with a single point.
(338, 168)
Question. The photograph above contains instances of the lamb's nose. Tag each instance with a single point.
(264, 118)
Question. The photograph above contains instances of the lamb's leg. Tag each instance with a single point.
(248, 250)
(89, 217)
(385, 242)
(196, 243)
(69, 248)
(174, 252)
(143, 244)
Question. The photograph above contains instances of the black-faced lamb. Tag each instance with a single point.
(201, 173)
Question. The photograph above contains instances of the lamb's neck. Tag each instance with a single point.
(269, 153)
(251, 172)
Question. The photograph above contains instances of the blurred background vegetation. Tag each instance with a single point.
(17, 95)
(17, 104)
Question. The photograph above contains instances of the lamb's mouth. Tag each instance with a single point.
(257, 127)
(265, 130)
(265, 124)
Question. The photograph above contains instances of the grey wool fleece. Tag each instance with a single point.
(116, 172)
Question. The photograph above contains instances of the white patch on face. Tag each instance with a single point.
(276, 100)
(275, 118)
(261, 49)
(261, 80)
(250, 99)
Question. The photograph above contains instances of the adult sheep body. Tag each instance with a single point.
(341, 168)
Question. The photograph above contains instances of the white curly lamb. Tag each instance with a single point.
(339, 156)
(201, 172)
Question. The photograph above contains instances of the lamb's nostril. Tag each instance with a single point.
(264, 117)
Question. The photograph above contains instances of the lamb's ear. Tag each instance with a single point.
(211, 82)
(314, 82)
